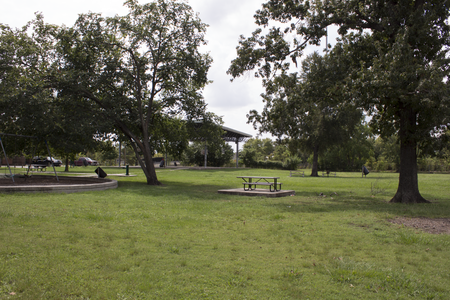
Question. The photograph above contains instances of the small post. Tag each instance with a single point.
(237, 153)
(127, 173)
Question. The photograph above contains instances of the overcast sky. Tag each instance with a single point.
(227, 20)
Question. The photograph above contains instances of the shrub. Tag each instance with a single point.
(291, 163)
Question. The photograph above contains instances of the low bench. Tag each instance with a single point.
(328, 173)
(250, 182)
(269, 184)
(292, 173)
(38, 167)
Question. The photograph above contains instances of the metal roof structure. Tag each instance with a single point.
(232, 135)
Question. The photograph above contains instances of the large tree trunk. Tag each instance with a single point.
(151, 174)
(149, 167)
(147, 163)
(314, 171)
(408, 186)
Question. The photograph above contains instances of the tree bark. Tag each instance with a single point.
(147, 163)
(314, 171)
(408, 185)
(150, 171)
(66, 169)
(152, 179)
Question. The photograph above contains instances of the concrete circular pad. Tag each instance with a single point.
(66, 184)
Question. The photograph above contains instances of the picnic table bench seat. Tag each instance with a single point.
(38, 167)
(271, 185)
(271, 182)
(328, 173)
(296, 172)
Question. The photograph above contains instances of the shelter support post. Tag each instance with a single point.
(237, 153)
(120, 152)
(206, 154)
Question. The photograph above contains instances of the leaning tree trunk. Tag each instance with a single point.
(146, 163)
(151, 178)
(408, 185)
(314, 171)
(149, 167)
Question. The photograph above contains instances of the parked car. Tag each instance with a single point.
(92, 162)
(56, 162)
(85, 161)
(46, 161)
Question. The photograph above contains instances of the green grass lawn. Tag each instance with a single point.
(183, 240)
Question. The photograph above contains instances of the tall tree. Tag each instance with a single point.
(136, 67)
(124, 73)
(309, 108)
(28, 102)
(400, 51)
(22, 57)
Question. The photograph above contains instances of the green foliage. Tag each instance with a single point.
(109, 153)
(282, 152)
(385, 154)
(248, 157)
(292, 163)
(350, 155)
(268, 164)
(267, 154)
(170, 136)
(207, 132)
(218, 154)
(310, 109)
(258, 149)
(29, 103)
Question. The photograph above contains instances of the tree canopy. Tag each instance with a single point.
(399, 63)
(128, 73)
(309, 109)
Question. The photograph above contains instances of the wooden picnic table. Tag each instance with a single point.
(250, 182)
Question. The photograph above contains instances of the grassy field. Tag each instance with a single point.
(183, 240)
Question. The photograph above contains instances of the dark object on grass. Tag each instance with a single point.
(100, 172)
(365, 171)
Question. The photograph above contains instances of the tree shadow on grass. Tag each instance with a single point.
(348, 202)
(171, 188)
(314, 200)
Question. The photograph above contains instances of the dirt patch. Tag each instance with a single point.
(46, 180)
(434, 226)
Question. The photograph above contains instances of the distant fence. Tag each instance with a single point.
(15, 161)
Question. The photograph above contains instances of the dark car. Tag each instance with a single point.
(46, 161)
(85, 161)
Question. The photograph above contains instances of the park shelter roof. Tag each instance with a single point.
(232, 135)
